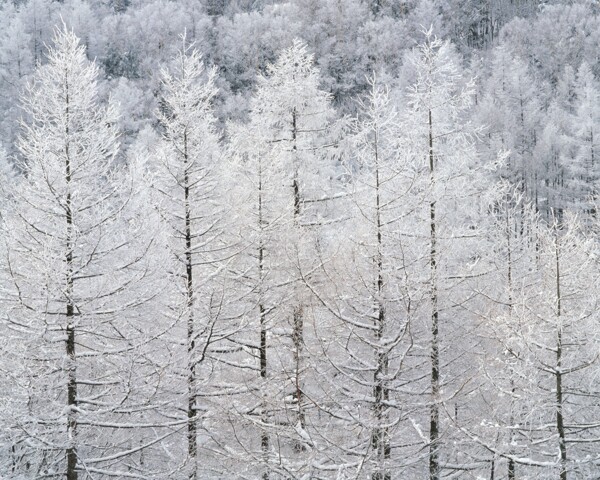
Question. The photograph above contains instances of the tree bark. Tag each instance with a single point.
(298, 314)
(380, 435)
(191, 341)
(560, 427)
(264, 436)
(434, 416)
(71, 452)
(511, 462)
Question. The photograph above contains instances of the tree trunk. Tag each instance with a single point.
(71, 452)
(264, 436)
(191, 341)
(434, 418)
(298, 315)
(560, 427)
(380, 435)
(511, 462)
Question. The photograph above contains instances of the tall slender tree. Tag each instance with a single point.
(285, 164)
(452, 180)
(587, 124)
(77, 271)
(186, 184)
(376, 335)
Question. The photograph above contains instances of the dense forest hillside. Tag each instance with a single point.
(314, 239)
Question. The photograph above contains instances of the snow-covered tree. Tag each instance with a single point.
(186, 178)
(512, 239)
(367, 300)
(285, 171)
(451, 189)
(586, 132)
(294, 296)
(512, 97)
(76, 275)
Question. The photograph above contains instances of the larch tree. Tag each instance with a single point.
(451, 189)
(565, 150)
(557, 169)
(286, 171)
(554, 355)
(77, 273)
(379, 135)
(184, 176)
(512, 96)
(258, 177)
(586, 135)
(539, 347)
(366, 299)
(510, 256)
(565, 346)
(8, 359)
(16, 64)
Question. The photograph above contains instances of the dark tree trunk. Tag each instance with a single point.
(191, 341)
(434, 423)
(560, 426)
(71, 452)
(511, 462)
(380, 435)
(298, 315)
(264, 436)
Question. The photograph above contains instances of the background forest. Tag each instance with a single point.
(334, 239)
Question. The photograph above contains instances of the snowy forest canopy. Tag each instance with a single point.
(315, 239)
